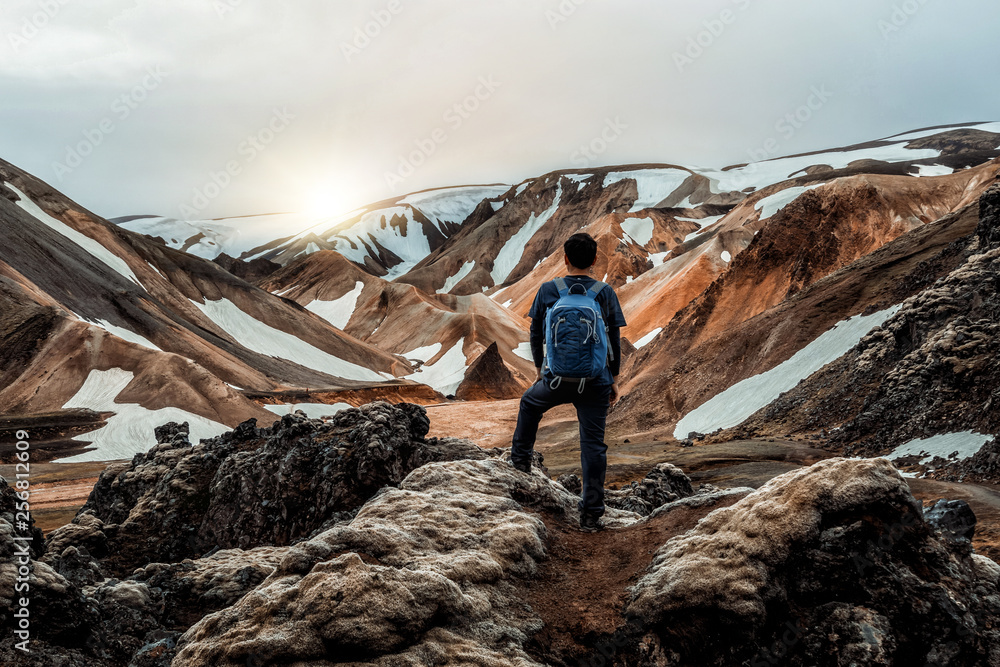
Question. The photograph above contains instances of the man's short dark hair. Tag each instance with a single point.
(581, 249)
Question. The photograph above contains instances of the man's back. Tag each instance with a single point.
(611, 312)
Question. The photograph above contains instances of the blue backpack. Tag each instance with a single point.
(576, 338)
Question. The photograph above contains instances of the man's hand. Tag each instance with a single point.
(616, 393)
(538, 375)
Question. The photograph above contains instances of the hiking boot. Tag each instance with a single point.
(590, 523)
(523, 467)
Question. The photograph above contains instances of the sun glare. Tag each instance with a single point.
(325, 203)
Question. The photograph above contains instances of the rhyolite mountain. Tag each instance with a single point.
(404, 298)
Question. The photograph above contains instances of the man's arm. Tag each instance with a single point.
(615, 364)
(537, 337)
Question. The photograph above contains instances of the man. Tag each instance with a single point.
(592, 400)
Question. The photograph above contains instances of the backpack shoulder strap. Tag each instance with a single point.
(561, 286)
(596, 288)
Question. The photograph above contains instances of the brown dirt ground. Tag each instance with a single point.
(571, 589)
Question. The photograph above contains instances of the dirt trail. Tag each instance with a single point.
(580, 590)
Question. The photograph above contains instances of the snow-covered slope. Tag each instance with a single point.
(211, 238)
(390, 237)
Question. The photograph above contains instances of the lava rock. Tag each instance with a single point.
(663, 484)
(988, 231)
(419, 577)
(571, 483)
(824, 565)
(953, 518)
(251, 486)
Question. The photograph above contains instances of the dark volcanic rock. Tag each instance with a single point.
(953, 518)
(663, 484)
(76, 617)
(254, 486)
(193, 588)
(571, 483)
(827, 565)
(273, 485)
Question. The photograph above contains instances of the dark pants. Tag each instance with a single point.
(591, 411)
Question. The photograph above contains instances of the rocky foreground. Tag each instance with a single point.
(360, 541)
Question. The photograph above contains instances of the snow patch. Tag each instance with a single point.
(726, 257)
(445, 374)
(652, 185)
(338, 312)
(130, 430)
(687, 203)
(510, 255)
(523, 350)
(122, 333)
(961, 445)
(452, 205)
(657, 258)
(255, 335)
(312, 410)
(734, 405)
(704, 223)
(87, 244)
(451, 281)
(639, 230)
(933, 170)
(410, 246)
(424, 353)
(759, 175)
(648, 338)
(768, 206)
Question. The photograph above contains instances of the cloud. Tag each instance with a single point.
(370, 82)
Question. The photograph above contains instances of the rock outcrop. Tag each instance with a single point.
(252, 486)
(829, 565)
(663, 484)
(470, 561)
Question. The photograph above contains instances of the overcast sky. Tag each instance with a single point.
(205, 108)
